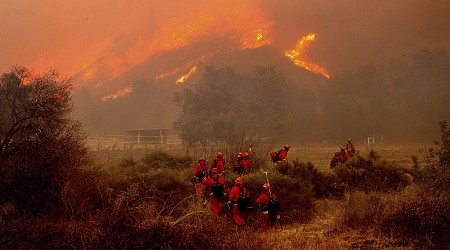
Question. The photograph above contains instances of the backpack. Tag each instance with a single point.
(202, 174)
(275, 156)
(217, 188)
(274, 207)
(244, 201)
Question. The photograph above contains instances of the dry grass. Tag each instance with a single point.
(135, 205)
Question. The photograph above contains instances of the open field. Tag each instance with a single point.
(316, 154)
(321, 156)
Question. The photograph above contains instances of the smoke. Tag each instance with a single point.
(108, 37)
(107, 45)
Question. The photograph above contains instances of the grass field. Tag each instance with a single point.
(324, 227)
(321, 156)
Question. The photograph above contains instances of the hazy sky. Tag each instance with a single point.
(105, 38)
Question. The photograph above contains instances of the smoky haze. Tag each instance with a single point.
(110, 45)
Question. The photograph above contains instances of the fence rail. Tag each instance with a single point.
(117, 142)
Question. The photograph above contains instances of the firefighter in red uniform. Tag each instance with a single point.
(246, 164)
(238, 191)
(218, 163)
(218, 191)
(282, 154)
(350, 148)
(200, 172)
(238, 163)
(343, 155)
(264, 200)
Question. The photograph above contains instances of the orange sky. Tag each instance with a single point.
(104, 38)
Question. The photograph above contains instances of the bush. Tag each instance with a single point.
(372, 174)
(162, 159)
(323, 184)
(420, 215)
(41, 146)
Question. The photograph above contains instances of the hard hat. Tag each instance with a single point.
(266, 186)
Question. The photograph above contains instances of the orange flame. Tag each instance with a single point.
(118, 94)
(297, 57)
(196, 61)
(186, 76)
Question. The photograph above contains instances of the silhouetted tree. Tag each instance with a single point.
(225, 103)
(40, 145)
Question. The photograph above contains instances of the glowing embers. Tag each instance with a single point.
(297, 57)
(262, 39)
(186, 76)
(118, 94)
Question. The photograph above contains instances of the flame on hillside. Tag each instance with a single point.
(118, 94)
(108, 53)
(191, 64)
(297, 56)
(186, 76)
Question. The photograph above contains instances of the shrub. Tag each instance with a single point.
(362, 210)
(323, 184)
(162, 159)
(420, 215)
(372, 174)
(41, 146)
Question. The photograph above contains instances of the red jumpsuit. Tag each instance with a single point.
(282, 154)
(219, 164)
(263, 199)
(200, 172)
(238, 216)
(247, 165)
(216, 202)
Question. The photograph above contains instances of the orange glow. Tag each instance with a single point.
(261, 39)
(102, 53)
(118, 94)
(186, 76)
(196, 61)
(297, 56)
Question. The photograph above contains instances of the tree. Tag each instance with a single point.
(225, 105)
(40, 145)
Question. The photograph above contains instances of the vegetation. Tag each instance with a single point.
(41, 147)
(56, 194)
(401, 101)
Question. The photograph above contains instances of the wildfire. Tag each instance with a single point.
(88, 72)
(261, 39)
(186, 76)
(118, 94)
(297, 57)
(191, 64)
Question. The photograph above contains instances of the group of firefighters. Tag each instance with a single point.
(238, 200)
(343, 154)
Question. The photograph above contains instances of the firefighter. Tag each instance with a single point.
(218, 191)
(350, 148)
(335, 160)
(247, 166)
(218, 164)
(268, 215)
(200, 172)
(282, 154)
(238, 163)
(343, 155)
(238, 199)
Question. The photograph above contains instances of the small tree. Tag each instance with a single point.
(40, 145)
